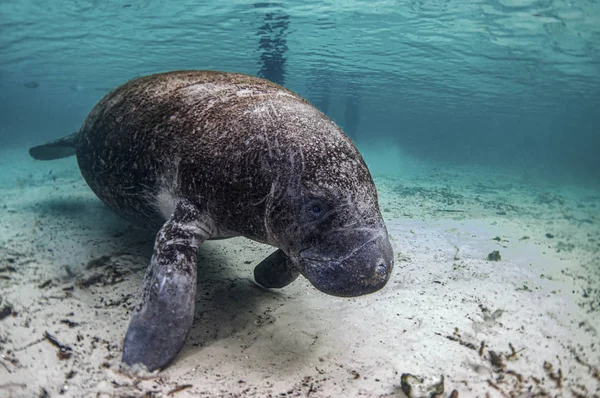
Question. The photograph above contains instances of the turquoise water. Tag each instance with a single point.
(480, 121)
(491, 82)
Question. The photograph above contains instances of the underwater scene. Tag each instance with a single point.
(333, 198)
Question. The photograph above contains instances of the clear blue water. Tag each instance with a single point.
(502, 82)
(488, 88)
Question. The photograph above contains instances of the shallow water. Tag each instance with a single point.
(494, 82)
(479, 122)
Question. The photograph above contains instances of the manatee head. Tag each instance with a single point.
(334, 235)
(342, 251)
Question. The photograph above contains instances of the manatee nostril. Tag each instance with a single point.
(381, 269)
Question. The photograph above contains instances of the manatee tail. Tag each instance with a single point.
(60, 148)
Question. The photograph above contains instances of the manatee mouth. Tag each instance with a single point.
(315, 254)
(363, 270)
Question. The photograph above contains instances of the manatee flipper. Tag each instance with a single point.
(165, 313)
(60, 148)
(275, 271)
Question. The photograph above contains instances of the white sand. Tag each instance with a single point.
(542, 297)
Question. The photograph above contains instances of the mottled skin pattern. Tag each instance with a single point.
(204, 155)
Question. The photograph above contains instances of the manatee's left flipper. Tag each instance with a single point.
(275, 271)
(165, 313)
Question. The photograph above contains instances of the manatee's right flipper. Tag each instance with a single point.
(60, 148)
(164, 316)
(275, 271)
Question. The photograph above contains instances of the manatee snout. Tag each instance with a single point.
(365, 269)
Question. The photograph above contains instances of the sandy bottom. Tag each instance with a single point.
(526, 325)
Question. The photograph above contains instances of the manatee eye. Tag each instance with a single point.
(316, 209)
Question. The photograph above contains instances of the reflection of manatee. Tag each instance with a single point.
(204, 155)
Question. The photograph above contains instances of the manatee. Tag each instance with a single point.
(198, 155)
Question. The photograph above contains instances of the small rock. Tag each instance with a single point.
(494, 256)
(6, 311)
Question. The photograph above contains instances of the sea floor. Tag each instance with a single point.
(495, 292)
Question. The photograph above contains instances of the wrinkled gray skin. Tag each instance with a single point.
(202, 155)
